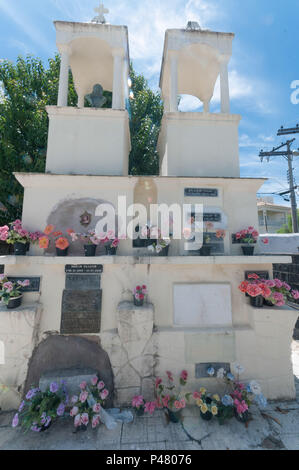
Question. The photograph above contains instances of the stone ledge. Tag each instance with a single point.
(147, 260)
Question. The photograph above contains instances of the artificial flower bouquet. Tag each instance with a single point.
(208, 405)
(86, 407)
(16, 235)
(11, 292)
(138, 402)
(247, 236)
(170, 396)
(110, 242)
(160, 244)
(274, 291)
(90, 241)
(60, 240)
(139, 294)
(39, 409)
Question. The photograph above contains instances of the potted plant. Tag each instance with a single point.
(243, 396)
(138, 403)
(11, 293)
(60, 241)
(139, 294)
(249, 237)
(40, 409)
(208, 405)
(170, 397)
(90, 241)
(86, 407)
(272, 292)
(16, 235)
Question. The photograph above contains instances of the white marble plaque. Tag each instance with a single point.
(202, 305)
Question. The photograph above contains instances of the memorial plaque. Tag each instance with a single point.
(34, 283)
(81, 311)
(84, 268)
(201, 192)
(1, 268)
(212, 217)
(201, 369)
(83, 282)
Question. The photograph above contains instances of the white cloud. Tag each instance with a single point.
(24, 23)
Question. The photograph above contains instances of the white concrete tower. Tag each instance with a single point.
(197, 144)
(85, 140)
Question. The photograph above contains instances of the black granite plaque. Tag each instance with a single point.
(261, 274)
(84, 268)
(212, 217)
(201, 192)
(83, 282)
(34, 283)
(1, 268)
(201, 369)
(81, 311)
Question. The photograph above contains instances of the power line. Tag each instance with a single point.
(289, 155)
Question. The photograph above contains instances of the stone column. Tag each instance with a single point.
(118, 81)
(64, 76)
(224, 86)
(173, 104)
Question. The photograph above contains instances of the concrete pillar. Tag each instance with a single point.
(64, 77)
(118, 80)
(173, 101)
(224, 86)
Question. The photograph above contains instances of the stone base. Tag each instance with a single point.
(72, 377)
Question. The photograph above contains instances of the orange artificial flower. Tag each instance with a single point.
(44, 243)
(62, 243)
(49, 229)
(56, 234)
(70, 231)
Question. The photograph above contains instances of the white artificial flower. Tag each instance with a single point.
(220, 373)
(159, 248)
(151, 248)
(255, 387)
(237, 368)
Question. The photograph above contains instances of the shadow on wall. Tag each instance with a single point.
(66, 352)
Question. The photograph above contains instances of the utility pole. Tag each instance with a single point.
(288, 154)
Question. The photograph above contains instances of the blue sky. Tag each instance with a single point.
(263, 66)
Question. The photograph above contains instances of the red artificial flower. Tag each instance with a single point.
(44, 242)
(243, 286)
(62, 243)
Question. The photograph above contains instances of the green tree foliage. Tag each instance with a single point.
(27, 87)
(288, 228)
(146, 116)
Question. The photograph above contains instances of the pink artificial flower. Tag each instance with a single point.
(295, 294)
(101, 385)
(255, 234)
(196, 395)
(94, 380)
(137, 401)
(84, 419)
(165, 401)
(278, 283)
(286, 286)
(104, 394)
(8, 286)
(83, 385)
(184, 375)
(74, 411)
(158, 382)
(265, 241)
(241, 406)
(77, 420)
(270, 283)
(254, 290)
(278, 297)
(177, 405)
(95, 421)
(159, 404)
(115, 243)
(97, 407)
(169, 375)
(183, 403)
(83, 396)
(253, 276)
(150, 407)
(25, 283)
(238, 236)
(74, 399)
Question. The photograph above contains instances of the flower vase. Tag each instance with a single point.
(138, 302)
(268, 303)
(140, 411)
(14, 302)
(60, 252)
(90, 250)
(205, 250)
(206, 416)
(174, 416)
(248, 250)
(242, 418)
(20, 249)
(257, 302)
(164, 251)
(111, 251)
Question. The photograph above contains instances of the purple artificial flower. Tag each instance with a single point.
(35, 428)
(54, 387)
(31, 393)
(60, 410)
(21, 406)
(15, 420)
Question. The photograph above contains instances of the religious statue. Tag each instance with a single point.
(96, 98)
